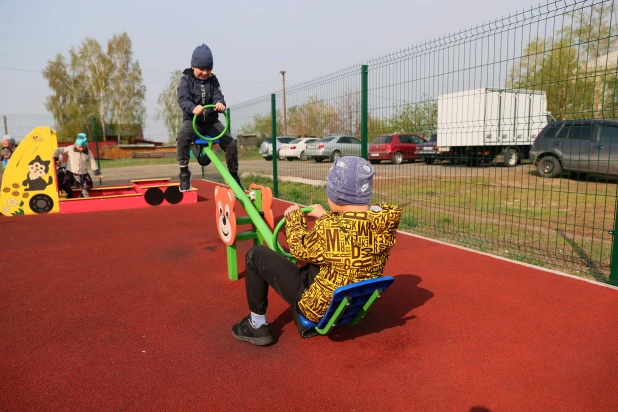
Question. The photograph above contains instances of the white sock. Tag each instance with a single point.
(258, 320)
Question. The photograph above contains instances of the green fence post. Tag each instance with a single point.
(364, 109)
(273, 116)
(96, 143)
(613, 270)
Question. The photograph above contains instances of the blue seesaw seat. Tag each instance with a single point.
(350, 303)
(203, 142)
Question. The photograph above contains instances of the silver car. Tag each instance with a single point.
(266, 148)
(333, 147)
(576, 145)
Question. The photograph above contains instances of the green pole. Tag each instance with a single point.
(96, 143)
(364, 109)
(273, 116)
(613, 270)
(228, 119)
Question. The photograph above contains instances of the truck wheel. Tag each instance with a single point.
(511, 158)
(398, 158)
(549, 166)
(429, 160)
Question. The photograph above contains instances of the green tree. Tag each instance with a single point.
(575, 68)
(168, 106)
(420, 118)
(261, 125)
(92, 82)
(125, 83)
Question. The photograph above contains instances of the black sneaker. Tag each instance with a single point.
(185, 181)
(244, 330)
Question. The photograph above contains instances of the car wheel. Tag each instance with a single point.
(398, 158)
(511, 158)
(549, 166)
(374, 162)
(303, 156)
(280, 157)
(429, 160)
(335, 155)
(289, 158)
(268, 158)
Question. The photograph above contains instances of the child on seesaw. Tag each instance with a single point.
(350, 243)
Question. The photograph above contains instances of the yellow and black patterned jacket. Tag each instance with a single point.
(348, 247)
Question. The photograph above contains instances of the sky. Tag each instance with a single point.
(251, 40)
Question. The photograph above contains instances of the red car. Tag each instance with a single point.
(395, 147)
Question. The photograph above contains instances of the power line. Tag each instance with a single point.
(19, 70)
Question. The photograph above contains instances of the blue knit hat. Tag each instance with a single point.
(202, 57)
(81, 140)
(350, 181)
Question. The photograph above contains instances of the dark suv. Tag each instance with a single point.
(589, 146)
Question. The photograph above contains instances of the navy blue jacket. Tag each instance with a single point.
(193, 91)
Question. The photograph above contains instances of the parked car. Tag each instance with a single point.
(589, 146)
(333, 147)
(296, 149)
(266, 148)
(430, 152)
(395, 147)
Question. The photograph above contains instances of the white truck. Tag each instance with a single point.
(490, 124)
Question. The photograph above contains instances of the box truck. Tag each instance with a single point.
(484, 125)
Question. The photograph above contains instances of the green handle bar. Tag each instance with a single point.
(211, 139)
(252, 212)
(278, 247)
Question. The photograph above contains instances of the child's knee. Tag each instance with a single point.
(254, 253)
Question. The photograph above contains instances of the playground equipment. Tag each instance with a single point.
(350, 303)
(30, 185)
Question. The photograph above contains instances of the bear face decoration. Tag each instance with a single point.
(226, 218)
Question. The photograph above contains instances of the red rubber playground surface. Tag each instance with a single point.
(132, 310)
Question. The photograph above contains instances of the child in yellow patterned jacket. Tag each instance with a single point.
(350, 243)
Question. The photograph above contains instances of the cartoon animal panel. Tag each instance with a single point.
(225, 214)
(29, 181)
(267, 204)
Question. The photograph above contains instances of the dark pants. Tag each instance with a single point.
(185, 138)
(266, 268)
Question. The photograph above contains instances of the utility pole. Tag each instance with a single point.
(6, 129)
(285, 120)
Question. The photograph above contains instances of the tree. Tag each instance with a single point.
(348, 113)
(420, 118)
(261, 125)
(314, 118)
(573, 68)
(108, 85)
(168, 105)
(127, 90)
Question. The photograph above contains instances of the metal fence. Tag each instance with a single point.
(485, 93)
(125, 149)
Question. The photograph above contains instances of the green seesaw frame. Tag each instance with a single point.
(260, 234)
